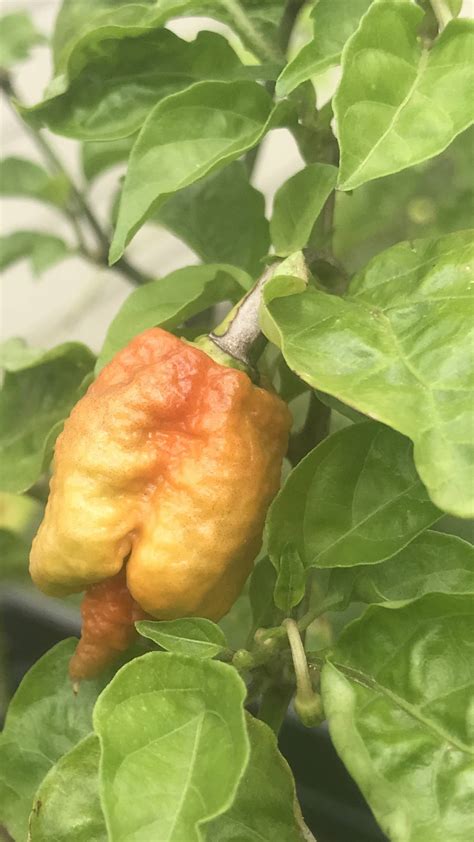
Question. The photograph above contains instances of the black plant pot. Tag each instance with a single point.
(331, 803)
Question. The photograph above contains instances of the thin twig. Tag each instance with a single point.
(285, 29)
(79, 206)
(287, 23)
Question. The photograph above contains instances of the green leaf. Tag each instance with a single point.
(261, 587)
(334, 21)
(21, 177)
(67, 804)
(98, 157)
(298, 203)
(221, 218)
(396, 694)
(187, 136)
(101, 102)
(397, 349)
(44, 721)
(411, 204)
(169, 301)
(18, 36)
(291, 579)
(83, 25)
(354, 499)
(193, 636)
(264, 807)
(391, 87)
(37, 396)
(432, 563)
(43, 250)
(174, 746)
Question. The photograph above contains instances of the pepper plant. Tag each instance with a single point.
(350, 299)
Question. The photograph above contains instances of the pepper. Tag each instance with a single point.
(164, 471)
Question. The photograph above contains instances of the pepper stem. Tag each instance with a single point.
(239, 334)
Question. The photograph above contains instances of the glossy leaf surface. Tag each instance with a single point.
(334, 21)
(104, 103)
(397, 348)
(398, 103)
(298, 203)
(67, 804)
(185, 137)
(193, 636)
(44, 721)
(431, 563)
(181, 721)
(354, 499)
(263, 809)
(397, 693)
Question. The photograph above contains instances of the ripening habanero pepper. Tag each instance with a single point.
(162, 479)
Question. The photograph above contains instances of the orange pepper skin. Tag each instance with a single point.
(108, 616)
(169, 462)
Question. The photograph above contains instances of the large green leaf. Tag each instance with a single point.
(264, 807)
(397, 693)
(411, 204)
(21, 177)
(174, 746)
(169, 301)
(298, 203)
(67, 804)
(397, 348)
(43, 250)
(354, 499)
(44, 721)
(38, 394)
(17, 37)
(334, 21)
(398, 103)
(98, 157)
(104, 103)
(432, 563)
(83, 25)
(222, 218)
(194, 636)
(187, 136)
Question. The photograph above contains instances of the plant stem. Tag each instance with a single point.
(249, 33)
(79, 205)
(442, 13)
(290, 13)
(285, 29)
(303, 678)
(239, 335)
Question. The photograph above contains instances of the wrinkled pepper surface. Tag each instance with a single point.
(162, 479)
